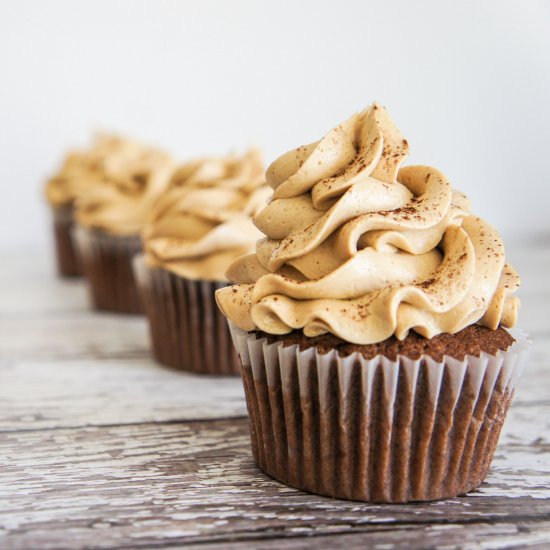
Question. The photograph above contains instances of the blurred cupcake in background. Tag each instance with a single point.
(62, 190)
(197, 228)
(111, 212)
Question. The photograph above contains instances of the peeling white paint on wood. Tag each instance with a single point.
(37, 395)
(144, 480)
(102, 448)
(72, 337)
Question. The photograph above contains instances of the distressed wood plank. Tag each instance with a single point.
(524, 534)
(156, 484)
(73, 336)
(52, 394)
(28, 284)
(465, 536)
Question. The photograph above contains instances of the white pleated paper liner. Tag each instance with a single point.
(376, 430)
(66, 249)
(107, 265)
(187, 329)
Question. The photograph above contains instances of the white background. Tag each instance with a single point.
(468, 83)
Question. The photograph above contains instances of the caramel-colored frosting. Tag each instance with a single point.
(204, 220)
(125, 179)
(78, 168)
(360, 247)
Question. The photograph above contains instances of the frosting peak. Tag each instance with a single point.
(204, 220)
(359, 246)
(367, 144)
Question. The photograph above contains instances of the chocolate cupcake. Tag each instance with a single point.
(198, 227)
(62, 190)
(110, 215)
(371, 324)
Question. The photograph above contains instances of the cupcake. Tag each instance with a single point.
(110, 214)
(200, 225)
(371, 323)
(62, 190)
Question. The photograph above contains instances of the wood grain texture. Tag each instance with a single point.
(71, 393)
(73, 336)
(196, 481)
(102, 448)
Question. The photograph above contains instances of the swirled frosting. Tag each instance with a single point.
(204, 220)
(363, 248)
(79, 168)
(117, 195)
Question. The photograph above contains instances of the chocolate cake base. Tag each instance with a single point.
(472, 340)
(66, 250)
(107, 264)
(347, 424)
(188, 331)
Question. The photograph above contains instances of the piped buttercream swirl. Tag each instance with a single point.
(363, 248)
(118, 194)
(80, 167)
(203, 222)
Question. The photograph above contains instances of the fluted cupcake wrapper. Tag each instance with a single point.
(107, 265)
(376, 430)
(188, 331)
(66, 249)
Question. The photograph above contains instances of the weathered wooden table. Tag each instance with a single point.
(102, 448)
